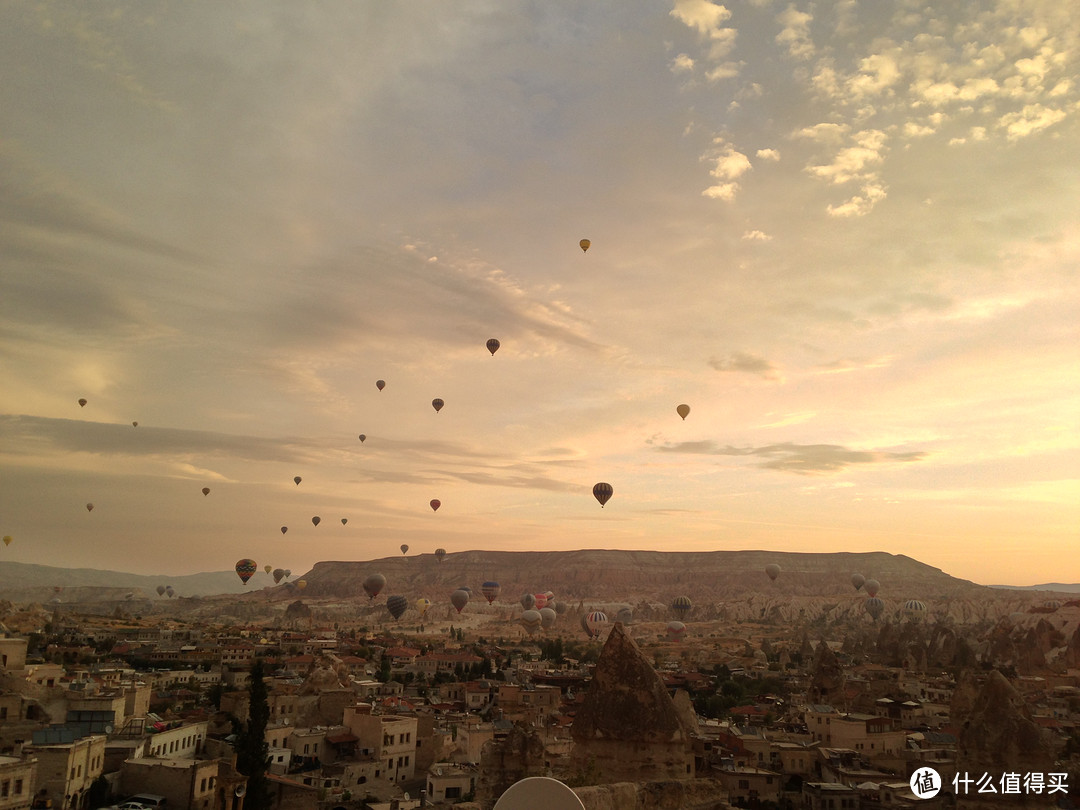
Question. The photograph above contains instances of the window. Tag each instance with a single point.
(18, 787)
(4, 787)
(453, 793)
(202, 785)
(3, 712)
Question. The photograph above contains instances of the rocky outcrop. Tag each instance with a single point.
(995, 730)
(674, 794)
(628, 727)
(827, 680)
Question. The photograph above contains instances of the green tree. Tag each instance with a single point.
(252, 751)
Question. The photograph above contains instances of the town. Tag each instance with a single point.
(126, 709)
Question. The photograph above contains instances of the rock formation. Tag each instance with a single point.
(628, 728)
(996, 732)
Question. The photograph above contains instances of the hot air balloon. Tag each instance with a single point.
(284, 529)
(397, 605)
(1051, 604)
(169, 592)
(288, 573)
(773, 570)
(206, 490)
(435, 503)
(681, 606)
(440, 553)
(625, 615)
(301, 584)
(422, 605)
(297, 480)
(858, 580)
(675, 631)
(528, 601)
(380, 384)
(872, 587)
(531, 621)
(404, 548)
(245, 568)
(914, 609)
(7, 539)
(344, 521)
(875, 607)
(561, 608)
(363, 438)
(134, 424)
(89, 507)
(683, 411)
(315, 521)
(268, 568)
(593, 623)
(82, 403)
(602, 492)
(129, 595)
(547, 617)
(160, 590)
(467, 590)
(279, 574)
(459, 599)
(541, 600)
(373, 583)
(493, 345)
(584, 245)
(490, 590)
(437, 404)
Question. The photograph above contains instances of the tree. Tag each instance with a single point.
(252, 752)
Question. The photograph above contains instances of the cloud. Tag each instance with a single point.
(728, 165)
(1032, 118)
(682, 63)
(854, 162)
(756, 236)
(795, 35)
(768, 154)
(802, 459)
(741, 361)
(708, 20)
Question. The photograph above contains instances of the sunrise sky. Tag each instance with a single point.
(848, 239)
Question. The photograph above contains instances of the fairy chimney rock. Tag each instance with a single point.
(629, 728)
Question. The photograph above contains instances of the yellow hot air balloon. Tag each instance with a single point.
(683, 411)
(89, 507)
(268, 568)
(584, 245)
(7, 539)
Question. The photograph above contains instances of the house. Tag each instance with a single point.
(450, 783)
(17, 776)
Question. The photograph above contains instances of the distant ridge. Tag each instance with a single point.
(29, 582)
(1057, 587)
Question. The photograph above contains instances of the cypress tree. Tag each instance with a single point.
(252, 751)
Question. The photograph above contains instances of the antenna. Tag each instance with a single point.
(539, 791)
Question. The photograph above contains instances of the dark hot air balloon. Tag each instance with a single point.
(435, 504)
(773, 570)
(584, 245)
(858, 580)
(279, 574)
(437, 404)
(380, 384)
(493, 345)
(160, 590)
(373, 584)
(82, 403)
(315, 521)
(602, 492)
(875, 607)
(245, 568)
(206, 490)
(89, 507)
(683, 411)
(284, 529)
(363, 438)
(344, 521)
(397, 605)
(297, 480)
(404, 548)
(459, 599)
(490, 590)
(440, 553)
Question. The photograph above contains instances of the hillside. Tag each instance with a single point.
(24, 582)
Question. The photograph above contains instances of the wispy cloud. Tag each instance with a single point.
(803, 459)
(744, 362)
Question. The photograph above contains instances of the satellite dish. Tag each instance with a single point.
(539, 791)
(240, 790)
(108, 728)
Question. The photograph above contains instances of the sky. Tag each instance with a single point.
(845, 234)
